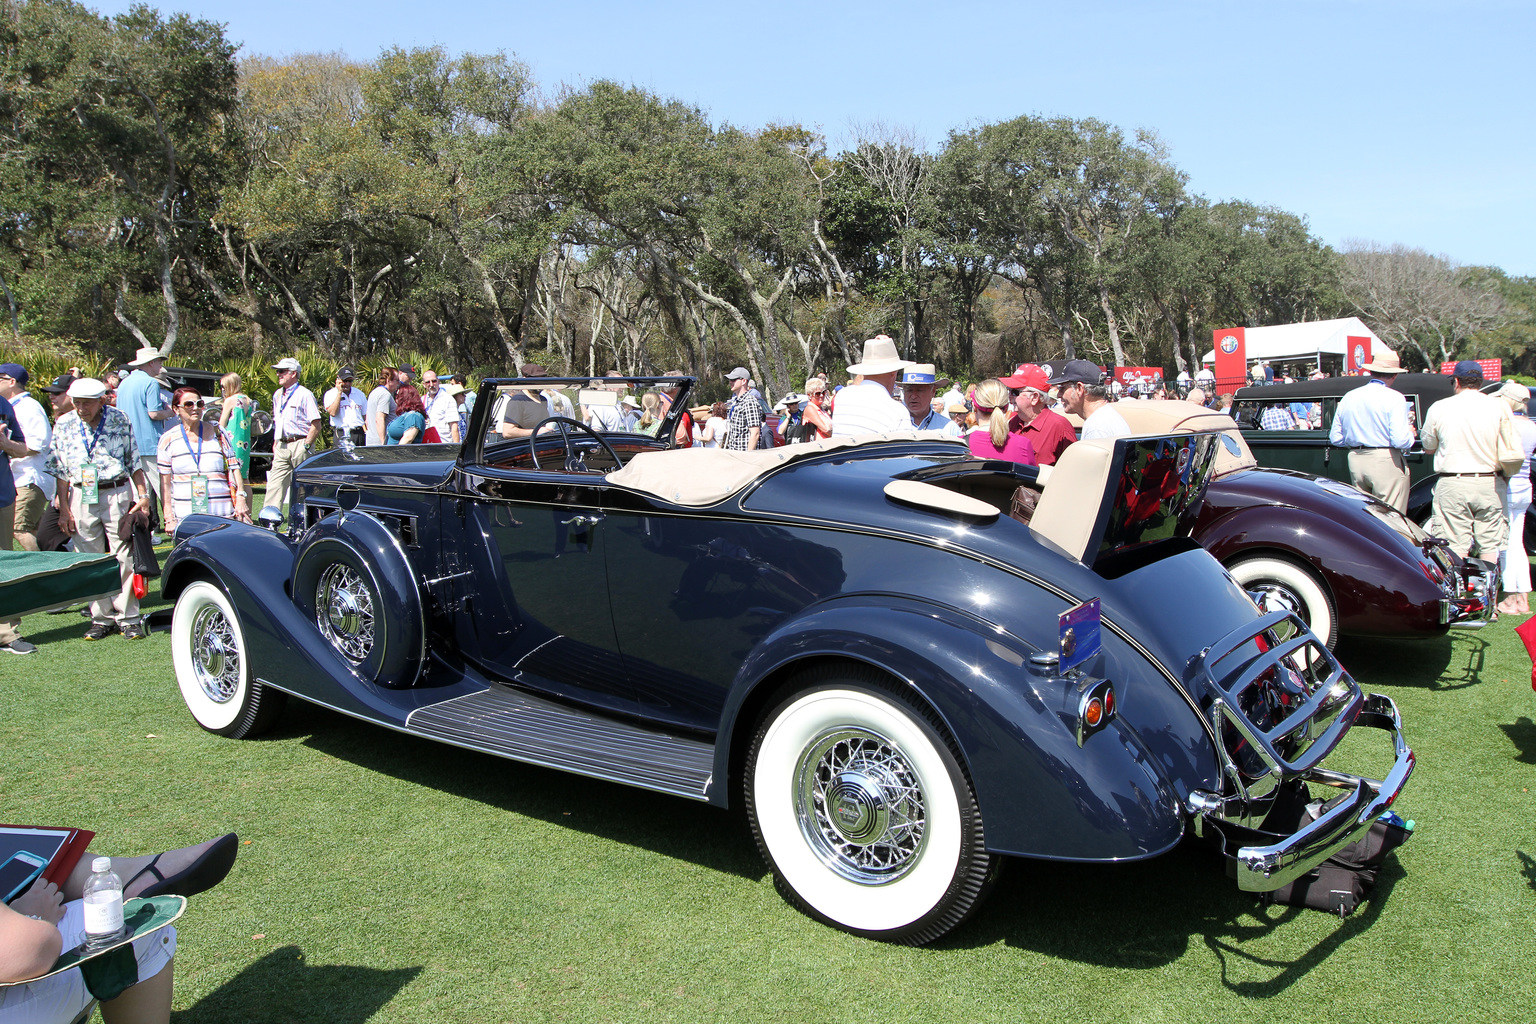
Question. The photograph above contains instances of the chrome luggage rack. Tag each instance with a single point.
(1283, 698)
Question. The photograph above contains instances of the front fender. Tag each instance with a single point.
(1040, 794)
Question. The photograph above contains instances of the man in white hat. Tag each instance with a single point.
(148, 408)
(295, 424)
(1372, 422)
(94, 457)
(918, 382)
(867, 406)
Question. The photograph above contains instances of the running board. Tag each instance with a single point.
(522, 727)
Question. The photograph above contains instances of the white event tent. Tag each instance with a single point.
(1310, 340)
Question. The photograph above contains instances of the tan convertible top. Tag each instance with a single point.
(1175, 417)
(703, 476)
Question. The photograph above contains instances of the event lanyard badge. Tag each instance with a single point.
(90, 493)
(199, 493)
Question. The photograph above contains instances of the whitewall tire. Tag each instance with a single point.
(1291, 586)
(864, 812)
(212, 670)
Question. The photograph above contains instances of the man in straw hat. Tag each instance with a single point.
(1473, 438)
(866, 407)
(1372, 422)
(148, 408)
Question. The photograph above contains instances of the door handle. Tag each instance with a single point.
(582, 519)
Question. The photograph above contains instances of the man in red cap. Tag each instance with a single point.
(1049, 432)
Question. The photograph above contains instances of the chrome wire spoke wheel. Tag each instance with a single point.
(860, 806)
(215, 654)
(344, 611)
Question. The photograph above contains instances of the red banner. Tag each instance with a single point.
(1356, 354)
(1138, 376)
(1493, 369)
(1231, 359)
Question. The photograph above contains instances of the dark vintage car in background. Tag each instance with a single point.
(900, 682)
(1309, 451)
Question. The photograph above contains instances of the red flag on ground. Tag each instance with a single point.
(1527, 631)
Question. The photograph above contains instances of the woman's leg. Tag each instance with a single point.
(128, 869)
(148, 1002)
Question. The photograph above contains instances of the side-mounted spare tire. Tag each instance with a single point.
(353, 580)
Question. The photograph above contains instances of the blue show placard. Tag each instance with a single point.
(1079, 633)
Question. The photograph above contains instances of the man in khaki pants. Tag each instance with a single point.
(95, 457)
(1472, 436)
(1372, 422)
(295, 424)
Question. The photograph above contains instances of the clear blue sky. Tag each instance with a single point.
(1385, 120)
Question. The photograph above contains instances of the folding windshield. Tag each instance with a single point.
(509, 410)
(1158, 490)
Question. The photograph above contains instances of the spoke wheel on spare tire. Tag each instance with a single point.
(1288, 585)
(212, 671)
(858, 801)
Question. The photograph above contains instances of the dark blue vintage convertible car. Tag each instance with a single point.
(907, 665)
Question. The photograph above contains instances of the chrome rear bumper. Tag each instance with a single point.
(1265, 868)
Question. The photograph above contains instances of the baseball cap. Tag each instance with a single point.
(1028, 375)
(532, 370)
(288, 363)
(918, 373)
(740, 373)
(60, 384)
(15, 371)
(346, 373)
(1077, 370)
(1469, 368)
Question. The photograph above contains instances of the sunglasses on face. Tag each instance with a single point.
(192, 405)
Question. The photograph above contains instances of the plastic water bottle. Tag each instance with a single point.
(103, 906)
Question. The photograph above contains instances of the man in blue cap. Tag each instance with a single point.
(918, 382)
(1476, 448)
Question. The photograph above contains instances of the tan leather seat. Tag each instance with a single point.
(1069, 506)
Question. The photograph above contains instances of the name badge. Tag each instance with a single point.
(89, 491)
(200, 493)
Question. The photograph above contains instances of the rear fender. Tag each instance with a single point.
(1040, 793)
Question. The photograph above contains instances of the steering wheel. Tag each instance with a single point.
(564, 424)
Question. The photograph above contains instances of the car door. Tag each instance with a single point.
(533, 545)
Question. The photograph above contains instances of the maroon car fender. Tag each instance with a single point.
(1376, 590)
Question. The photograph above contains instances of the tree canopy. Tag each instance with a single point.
(160, 191)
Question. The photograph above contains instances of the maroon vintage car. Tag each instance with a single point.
(1347, 563)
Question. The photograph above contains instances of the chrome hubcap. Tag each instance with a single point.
(215, 655)
(1275, 597)
(860, 806)
(344, 611)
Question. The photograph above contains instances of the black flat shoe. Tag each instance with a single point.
(205, 872)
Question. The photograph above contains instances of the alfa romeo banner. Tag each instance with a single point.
(1357, 353)
(1139, 376)
(1231, 359)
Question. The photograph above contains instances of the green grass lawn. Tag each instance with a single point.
(393, 879)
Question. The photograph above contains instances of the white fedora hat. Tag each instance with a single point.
(146, 356)
(880, 356)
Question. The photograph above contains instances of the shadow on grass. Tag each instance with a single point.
(668, 825)
(1144, 915)
(1451, 662)
(1527, 867)
(281, 986)
(1522, 733)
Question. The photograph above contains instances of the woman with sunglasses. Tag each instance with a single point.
(199, 471)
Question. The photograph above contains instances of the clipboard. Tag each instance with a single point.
(108, 976)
